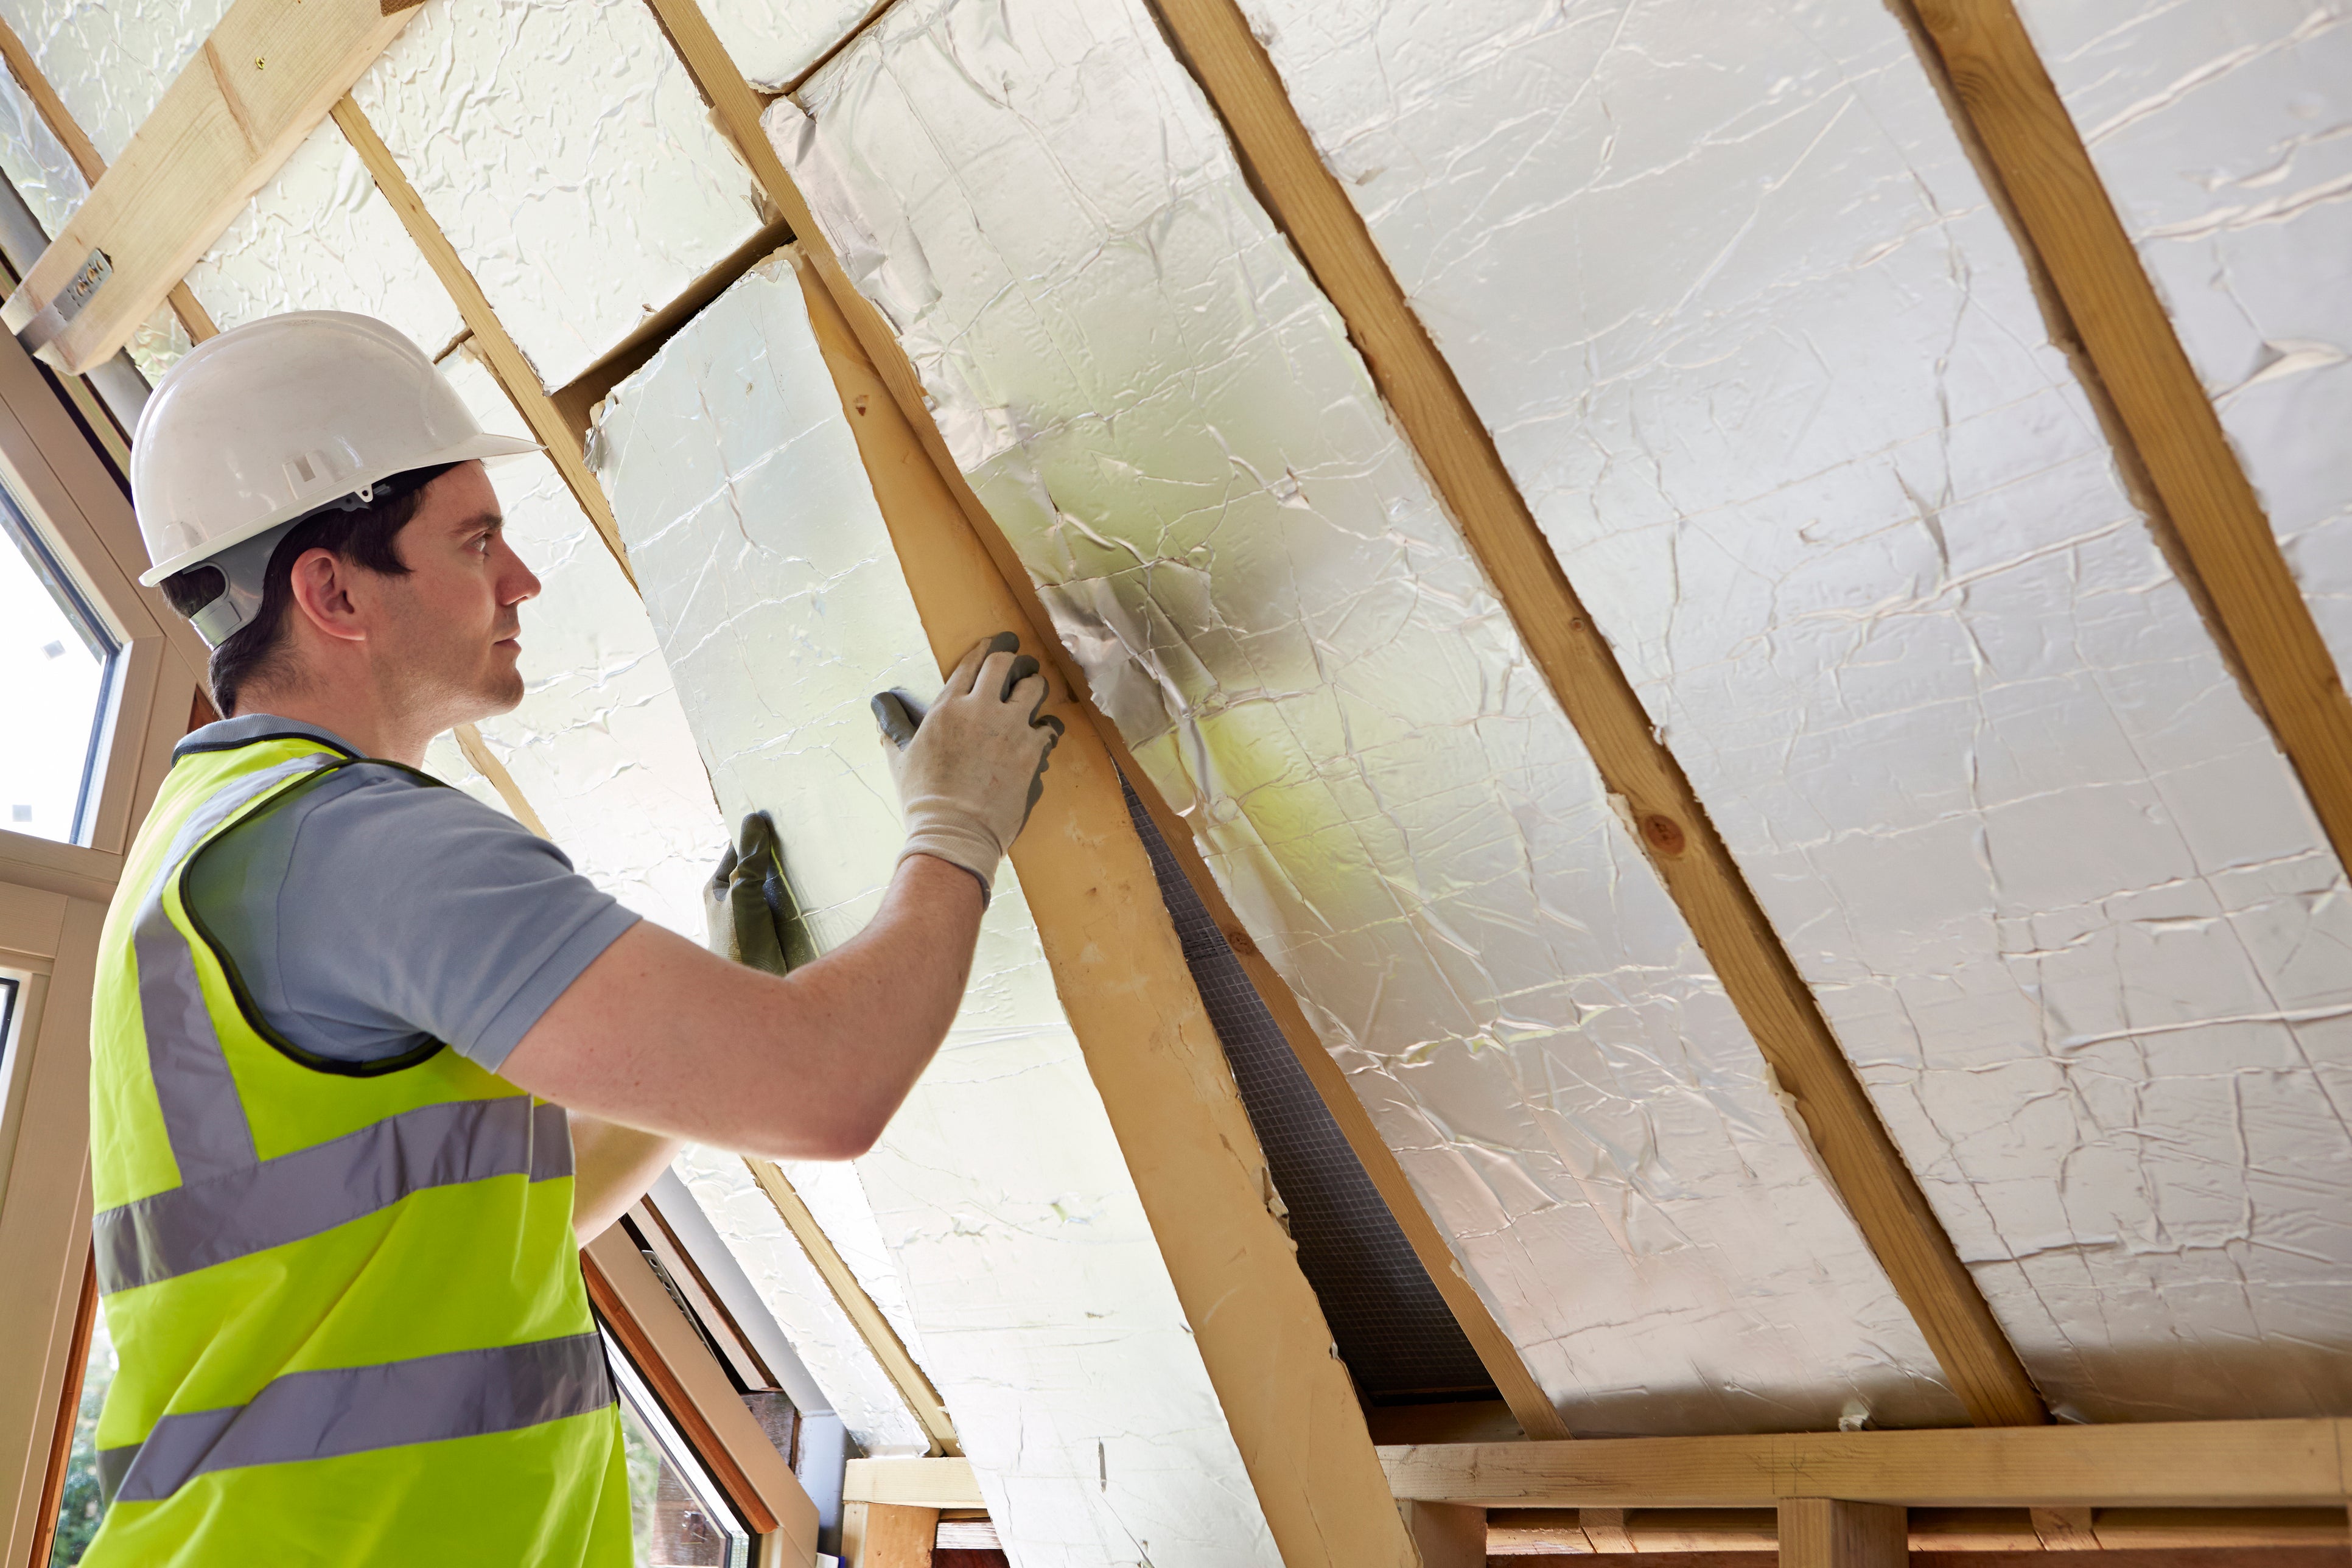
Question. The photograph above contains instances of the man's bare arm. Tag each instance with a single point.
(612, 1167)
(660, 1036)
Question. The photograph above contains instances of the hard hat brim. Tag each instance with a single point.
(485, 448)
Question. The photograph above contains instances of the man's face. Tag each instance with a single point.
(452, 627)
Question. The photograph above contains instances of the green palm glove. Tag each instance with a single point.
(753, 917)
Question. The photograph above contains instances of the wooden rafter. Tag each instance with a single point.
(914, 1385)
(1154, 1059)
(737, 109)
(1762, 981)
(194, 319)
(491, 339)
(2069, 227)
(2188, 1464)
(260, 83)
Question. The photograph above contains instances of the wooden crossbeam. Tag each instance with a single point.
(195, 319)
(491, 339)
(737, 109)
(2225, 546)
(1154, 1059)
(917, 1483)
(914, 1385)
(2188, 1464)
(1534, 1531)
(262, 81)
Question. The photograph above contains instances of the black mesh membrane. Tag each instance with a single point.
(1392, 1327)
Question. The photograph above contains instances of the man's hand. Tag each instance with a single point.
(969, 770)
(749, 905)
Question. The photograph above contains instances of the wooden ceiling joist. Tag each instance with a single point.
(261, 83)
(1154, 1059)
(2199, 1464)
(2070, 229)
(737, 109)
(194, 319)
(914, 1386)
(1697, 869)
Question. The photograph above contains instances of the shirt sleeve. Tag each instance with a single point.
(406, 910)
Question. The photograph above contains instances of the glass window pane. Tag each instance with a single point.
(680, 1517)
(79, 1505)
(55, 659)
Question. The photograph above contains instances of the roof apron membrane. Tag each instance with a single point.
(1768, 368)
(1047, 1321)
(1166, 419)
(2224, 135)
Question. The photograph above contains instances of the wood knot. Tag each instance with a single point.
(1664, 834)
(1239, 940)
(858, 403)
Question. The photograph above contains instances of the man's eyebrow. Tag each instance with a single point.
(493, 519)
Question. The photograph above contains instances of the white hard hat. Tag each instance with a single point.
(258, 427)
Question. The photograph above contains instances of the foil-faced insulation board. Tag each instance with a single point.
(567, 155)
(36, 161)
(109, 63)
(1046, 1315)
(1396, 1333)
(1765, 364)
(320, 236)
(775, 42)
(2223, 133)
(1167, 422)
(599, 746)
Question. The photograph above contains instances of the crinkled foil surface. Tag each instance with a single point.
(36, 161)
(1045, 1313)
(569, 158)
(320, 236)
(1765, 364)
(774, 42)
(1167, 420)
(2223, 133)
(111, 62)
(599, 746)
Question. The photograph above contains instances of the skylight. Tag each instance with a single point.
(56, 661)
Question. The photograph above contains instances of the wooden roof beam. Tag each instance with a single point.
(1697, 869)
(737, 109)
(2182, 1464)
(2159, 415)
(262, 81)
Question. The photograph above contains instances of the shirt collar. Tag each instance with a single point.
(222, 735)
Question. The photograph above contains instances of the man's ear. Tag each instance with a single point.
(321, 581)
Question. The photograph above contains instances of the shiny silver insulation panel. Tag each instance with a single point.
(1043, 1309)
(1167, 420)
(2223, 133)
(774, 42)
(569, 158)
(599, 746)
(1727, 291)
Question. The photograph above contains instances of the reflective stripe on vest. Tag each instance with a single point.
(272, 1202)
(351, 1409)
(346, 1147)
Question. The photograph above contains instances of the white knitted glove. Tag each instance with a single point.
(970, 768)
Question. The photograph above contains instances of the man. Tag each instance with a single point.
(368, 1060)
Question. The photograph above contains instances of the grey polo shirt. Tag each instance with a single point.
(374, 914)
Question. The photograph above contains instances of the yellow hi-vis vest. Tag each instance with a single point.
(346, 1299)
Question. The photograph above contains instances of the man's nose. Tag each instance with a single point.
(517, 581)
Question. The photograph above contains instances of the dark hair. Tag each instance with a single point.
(369, 537)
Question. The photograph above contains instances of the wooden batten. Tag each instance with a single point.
(262, 81)
(2070, 231)
(1697, 869)
(737, 110)
(914, 1386)
(1154, 1059)
(2288, 1464)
